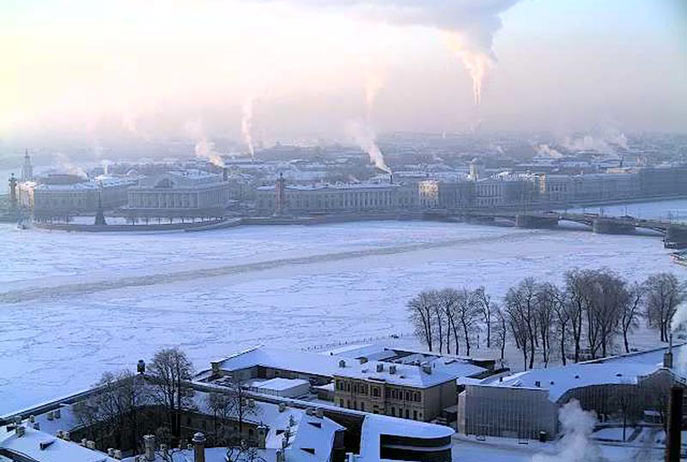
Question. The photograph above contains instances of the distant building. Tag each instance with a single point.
(27, 168)
(58, 195)
(179, 193)
(505, 190)
(327, 198)
(440, 194)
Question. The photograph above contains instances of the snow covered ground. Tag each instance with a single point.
(75, 305)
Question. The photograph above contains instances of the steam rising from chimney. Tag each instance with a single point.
(470, 25)
(203, 148)
(206, 150)
(364, 136)
(575, 445)
(247, 125)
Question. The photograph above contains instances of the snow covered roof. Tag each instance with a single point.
(281, 384)
(374, 426)
(328, 365)
(40, 446)
(335, 186)
(622, 369)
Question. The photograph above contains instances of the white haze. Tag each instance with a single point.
(575, 445)
(114, 70)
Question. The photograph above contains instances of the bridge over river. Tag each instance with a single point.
(674, 234)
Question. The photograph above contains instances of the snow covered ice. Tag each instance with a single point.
(116, 298)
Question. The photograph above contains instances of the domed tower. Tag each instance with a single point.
(27, 168)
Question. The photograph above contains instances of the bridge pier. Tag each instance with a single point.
(536, 221)
(610, 226)
(675, 237)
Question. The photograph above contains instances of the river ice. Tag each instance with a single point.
(75, 305)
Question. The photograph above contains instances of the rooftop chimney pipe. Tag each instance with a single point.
(674, 424)
(198, 447)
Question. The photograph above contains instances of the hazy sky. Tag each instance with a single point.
(191, 68)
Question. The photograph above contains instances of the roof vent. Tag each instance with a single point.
(282, 407)
(118, 454)
(20, 431)
(392, 369)
(618, 374)
(537, 383)
(44, 444)
(551, 382)
(577, 376)
(57, 413)
(380, 367)
(427, 369)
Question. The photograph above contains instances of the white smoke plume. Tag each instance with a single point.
(203, 148)
(65, 165)
(247, 125)
(544, 150)
(606, 141)
(575, 445)
(364, 136)
(470, 25)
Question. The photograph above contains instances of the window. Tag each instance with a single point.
(414, 415)
(407, 413)
(393, 411)
(341, 402)
(375, 392)
(362, 405)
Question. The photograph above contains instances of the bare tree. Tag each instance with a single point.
(608, 296)
(448, 299)
(171, 371)
(629, 407)
(521, 303)
(486, 308)
(114, 410)
(500, 329)
(576, 282)
(632, 312)
(243, 452)
(663, 295)
(467, 313)
(421, 314)
(547, 300)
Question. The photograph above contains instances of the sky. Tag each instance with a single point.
(298, 69)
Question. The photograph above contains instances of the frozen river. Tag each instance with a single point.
(75, 305)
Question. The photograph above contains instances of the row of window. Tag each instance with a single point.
(389, 393)
(393, 411)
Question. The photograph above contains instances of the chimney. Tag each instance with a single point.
(225, 174)
(20, 431)
(51, 415)
(90, 444)
(149, 443)
(110, 452)
(674, 424)
(426, 368)
(67, 436)
(199, 447)
(319, 412)
(141, 366)
(118, 454)
(57, 413)
(262, 436)
(668, 356)
(282, 407)
(280, 456)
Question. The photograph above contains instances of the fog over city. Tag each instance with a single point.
(145, 70)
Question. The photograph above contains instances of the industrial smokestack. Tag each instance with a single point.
(673, 439)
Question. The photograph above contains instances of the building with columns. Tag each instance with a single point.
(180, 193)
(339, 197)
